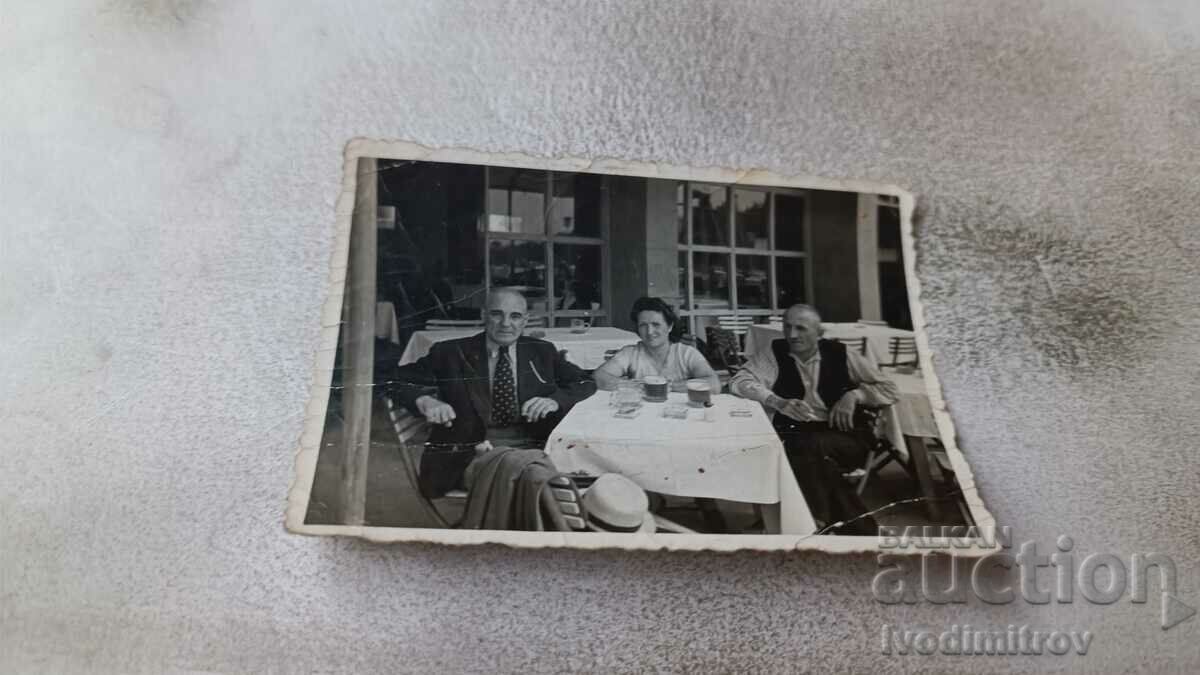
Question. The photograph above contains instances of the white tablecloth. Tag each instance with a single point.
(759, 337)
(734, 458)
(913, 411)
(585, 350)
(911, 415)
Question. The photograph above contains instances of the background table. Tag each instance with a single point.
(734, 458)
(585, 350)
(759, 337)
(909, 421)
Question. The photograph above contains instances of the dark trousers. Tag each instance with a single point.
(819, 455)
(444, 465)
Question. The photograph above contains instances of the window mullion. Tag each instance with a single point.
(731, 255)
(773, 283)
(690, 301)
(548, 249)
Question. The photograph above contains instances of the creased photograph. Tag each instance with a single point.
(561, 352)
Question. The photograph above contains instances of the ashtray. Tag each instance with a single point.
(628, 413)
(676, 411)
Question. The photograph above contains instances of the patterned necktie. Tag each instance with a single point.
(504, 392)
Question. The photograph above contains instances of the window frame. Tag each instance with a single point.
(548, 239)
(733, 251)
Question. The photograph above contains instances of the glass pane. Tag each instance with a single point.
(430, 259)
(750, 219)
(577, 278)
(683, 271)
(789, 274)
(521, 264)
(888, 224)
(789, 223)
(575, 210)
(753, 280)
(516, 200)
(681, 212)
(710, 275)
(710, 215)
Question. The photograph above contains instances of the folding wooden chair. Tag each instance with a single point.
(738, 325)
(903, 351)
(858, 343)
(408, 427)
(881, 454)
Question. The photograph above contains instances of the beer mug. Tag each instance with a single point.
(699, 393)
(655, 388)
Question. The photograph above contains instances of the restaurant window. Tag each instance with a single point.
(893, 294)
(742, 251)
(545, 235)
(430, 252)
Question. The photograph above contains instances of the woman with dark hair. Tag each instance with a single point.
(655, 354)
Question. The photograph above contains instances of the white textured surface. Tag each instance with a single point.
(167, 185)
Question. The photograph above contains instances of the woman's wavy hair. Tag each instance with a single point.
(649, 304)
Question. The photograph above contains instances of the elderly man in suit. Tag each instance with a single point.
(497, 386)
(813, 388)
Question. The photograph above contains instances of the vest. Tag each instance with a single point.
(832, 383)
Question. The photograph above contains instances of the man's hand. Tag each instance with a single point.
(435, 411)
(842, 415)
(793, 408)
(538, 407)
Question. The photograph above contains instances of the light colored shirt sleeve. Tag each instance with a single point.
(695, 365)
(621, 363)
(874, 389)
(756, 378)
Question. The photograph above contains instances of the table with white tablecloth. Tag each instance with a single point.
(585, 350)
(759, 337)
(733, 458)
(907, 423)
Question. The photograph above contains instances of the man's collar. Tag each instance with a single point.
(494, 347)
(814, 358)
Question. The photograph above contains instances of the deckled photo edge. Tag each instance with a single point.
(315, 413)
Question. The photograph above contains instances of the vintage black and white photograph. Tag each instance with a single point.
(547, 352)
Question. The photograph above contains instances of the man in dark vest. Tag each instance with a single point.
(813, 388)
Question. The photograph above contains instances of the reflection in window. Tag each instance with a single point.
(888, 226)
(789, 222)
(577, 279)
(750, 219)
(710, 215)
(681, 212)
(753, 281)
(430, 254)
(683, 274)
(710, 279)
(575, 209)
(789, 273)
(521, 264)
(516, 200)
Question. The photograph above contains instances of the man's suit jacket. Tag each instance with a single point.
(456, 372)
